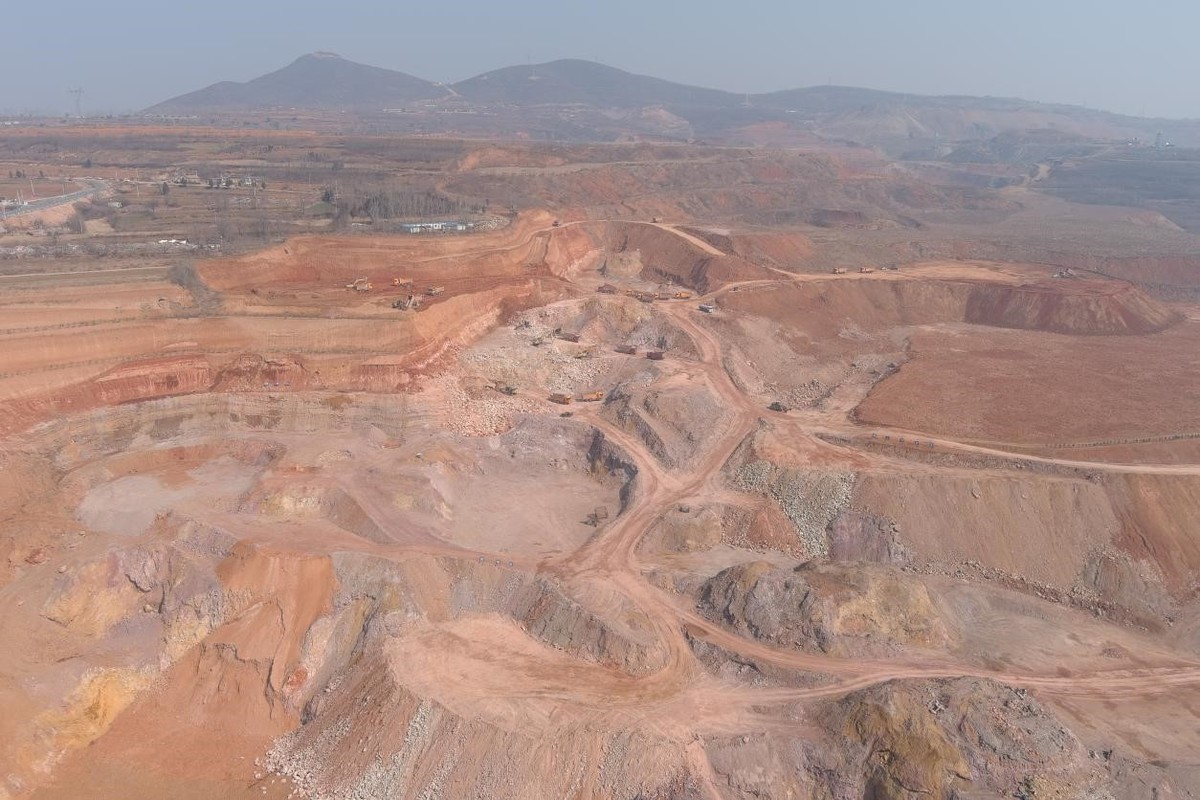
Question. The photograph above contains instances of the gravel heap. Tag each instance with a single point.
(810, 499)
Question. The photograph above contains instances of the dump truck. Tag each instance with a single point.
(839, 270)
(360, 285)
(656, 355)
(627, 349)
(681, 295)
(591, 397)
(434, 291)
(567, 336)
(607, 288)
(707, 308)
(561, 398)
(778, 406)
(866, 270)
(646, 297)
(401, 281)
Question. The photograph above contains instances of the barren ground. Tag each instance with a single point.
(263, 534)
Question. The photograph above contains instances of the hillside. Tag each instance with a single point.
(544, 100)
(577, 82)
(316, 81)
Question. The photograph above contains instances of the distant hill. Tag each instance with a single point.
(576, 82)
(314, 81)
(898, 122)
(572, 99)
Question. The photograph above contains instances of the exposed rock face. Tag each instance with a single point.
(830, 608)
(811, 499)
(910, 739)
(959, 738)
(609, 463)
(856, 536)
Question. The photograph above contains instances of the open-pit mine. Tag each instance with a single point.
(638, 495)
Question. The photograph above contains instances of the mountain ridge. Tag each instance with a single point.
(892, 120)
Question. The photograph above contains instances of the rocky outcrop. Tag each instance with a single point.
(959, 738)
(609, 462)
(840, 609)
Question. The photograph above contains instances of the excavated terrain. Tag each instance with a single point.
(854, 535)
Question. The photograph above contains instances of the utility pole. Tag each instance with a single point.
(78, 94)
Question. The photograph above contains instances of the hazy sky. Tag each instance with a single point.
(1133, 57)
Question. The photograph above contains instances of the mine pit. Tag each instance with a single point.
(558, 531)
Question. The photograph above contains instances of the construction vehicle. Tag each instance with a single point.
(707, 308)
(557, 223)
(656, 355)
(566, 336)
(561, 398)
(586, 352)
(591, 397)
(407, 303)
(434, 291)
(360, 285)
(596, 517)
(627, 349)
(778, 406)
(504, 388)
(839, 270)
(401, 281)
(646, 297)
(607, 288)
(866, 270)
(681, 295)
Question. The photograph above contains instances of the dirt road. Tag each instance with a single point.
(611, 556)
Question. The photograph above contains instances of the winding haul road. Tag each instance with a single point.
(610, 558)
(609, 563)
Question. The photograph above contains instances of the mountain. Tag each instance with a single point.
(314, 81)
(580, 100)
(577, 82)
